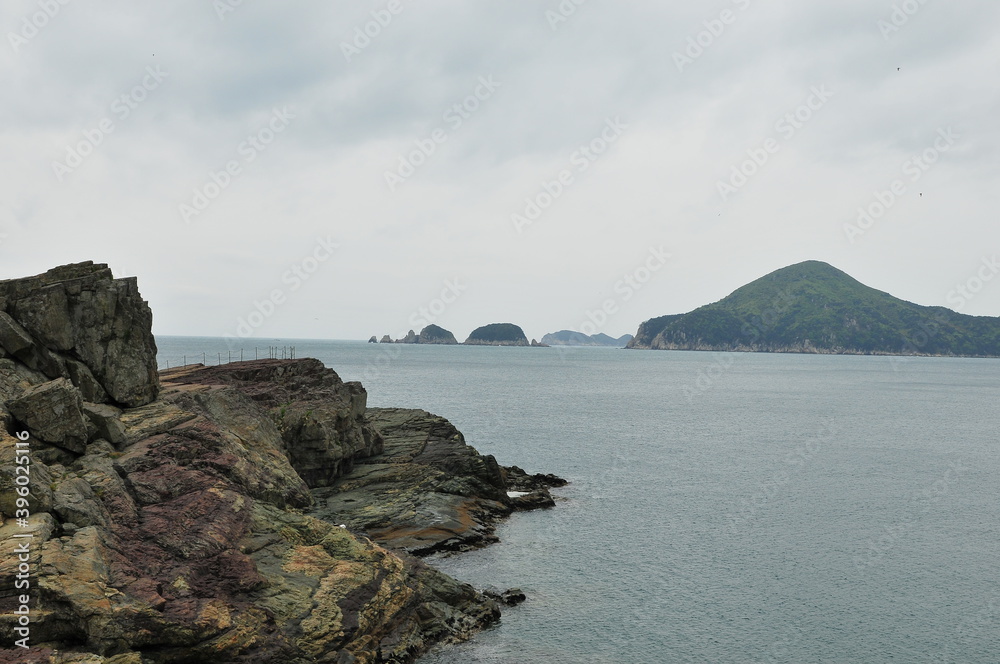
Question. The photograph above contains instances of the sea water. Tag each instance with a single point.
(723, 508)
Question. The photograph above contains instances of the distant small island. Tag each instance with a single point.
(498, 334)
(813, 307)
(571, 338)
(432, 334)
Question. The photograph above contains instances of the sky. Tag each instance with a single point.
(340, 170)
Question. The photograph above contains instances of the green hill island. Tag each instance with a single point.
(813, 307)
(498, 334)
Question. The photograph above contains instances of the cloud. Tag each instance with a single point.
(559, 82)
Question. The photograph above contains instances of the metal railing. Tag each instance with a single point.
(232, 356)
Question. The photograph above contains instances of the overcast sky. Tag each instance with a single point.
(395, 169)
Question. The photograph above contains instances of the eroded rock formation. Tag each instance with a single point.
(174, 518)
(80, 323)
(428, 491)
(320, 418)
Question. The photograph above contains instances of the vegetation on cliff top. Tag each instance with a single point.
(434, 334)
(506, 334)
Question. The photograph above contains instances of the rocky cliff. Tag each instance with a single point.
(78, 322)
(187, 517)
(648, 330)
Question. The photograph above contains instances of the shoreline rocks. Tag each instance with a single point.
(428, 491)
(181, 516)
(510, 597)
(189, 543)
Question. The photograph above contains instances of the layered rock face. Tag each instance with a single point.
(80, 323)
(177, 521)
(190, 545)
(428, 491)
(321, 418)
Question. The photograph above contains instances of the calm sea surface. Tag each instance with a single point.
(724, 508)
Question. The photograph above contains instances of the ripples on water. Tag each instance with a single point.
(797, 509)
